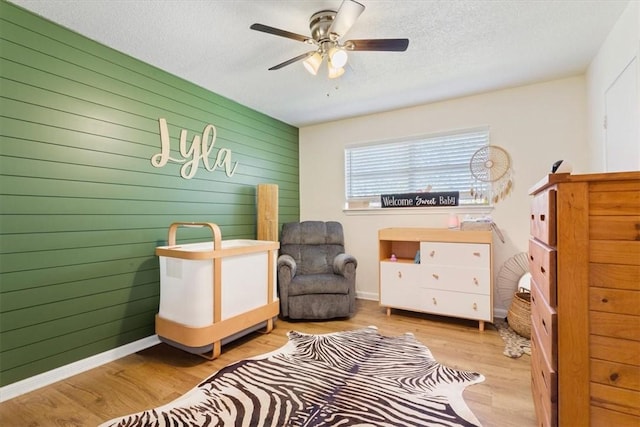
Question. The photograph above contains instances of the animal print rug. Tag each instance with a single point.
(514, 344)
(347, 378)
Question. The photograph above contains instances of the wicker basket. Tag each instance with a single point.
(519, 315)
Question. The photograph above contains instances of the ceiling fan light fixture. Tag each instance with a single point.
(338, 57)
(328, 28)
(335, 72)
(312, 63)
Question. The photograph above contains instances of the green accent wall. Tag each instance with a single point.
(81, 206)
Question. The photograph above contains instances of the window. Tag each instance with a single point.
(432, 163)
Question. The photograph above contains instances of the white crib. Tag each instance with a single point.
(214, 292)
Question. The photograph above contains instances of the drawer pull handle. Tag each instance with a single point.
(432, 254)
(542, 270)
(544, 325)
(399, 274)
(435, 302)
(531, 257)
(475, 306)
(475, 281)
(476, 254)
(605, 300)
(533, 217)
(542, 217)
(435, 276)
(614, 377)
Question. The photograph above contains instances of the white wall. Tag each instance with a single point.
(619, 49)
(537, 124)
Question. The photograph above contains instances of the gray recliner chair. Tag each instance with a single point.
(316, 279)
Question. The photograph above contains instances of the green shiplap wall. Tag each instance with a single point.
(82, 208)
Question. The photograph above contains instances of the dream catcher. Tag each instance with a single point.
(491, 168)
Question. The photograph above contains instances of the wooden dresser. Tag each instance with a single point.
(584, 255)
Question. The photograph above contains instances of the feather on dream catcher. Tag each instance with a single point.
(491, 164)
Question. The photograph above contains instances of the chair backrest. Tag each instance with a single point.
(313, 244)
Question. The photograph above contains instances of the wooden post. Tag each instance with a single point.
(267, 220)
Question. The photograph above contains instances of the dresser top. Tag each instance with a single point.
(556, 178)
(409, 234)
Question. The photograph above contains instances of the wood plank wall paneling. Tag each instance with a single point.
(82, 208)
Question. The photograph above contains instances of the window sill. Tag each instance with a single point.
(458, 210)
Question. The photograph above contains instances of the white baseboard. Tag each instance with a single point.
(46, 378)
(371, 296)
(499, 313)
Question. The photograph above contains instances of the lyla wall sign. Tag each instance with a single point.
(415, 200)
(202, 146)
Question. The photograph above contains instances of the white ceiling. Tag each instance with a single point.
(456, 48)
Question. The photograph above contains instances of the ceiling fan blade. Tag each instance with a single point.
(292, 60)
(346, 16)
(278, 32)
(389, 45)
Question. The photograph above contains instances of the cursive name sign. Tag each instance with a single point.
(200, 149)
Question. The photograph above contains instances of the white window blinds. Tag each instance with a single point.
(438, 162)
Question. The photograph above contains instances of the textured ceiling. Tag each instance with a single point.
(456, 48)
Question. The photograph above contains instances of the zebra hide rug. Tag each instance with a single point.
(352, 378)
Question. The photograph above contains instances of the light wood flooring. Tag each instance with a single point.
(160, 374)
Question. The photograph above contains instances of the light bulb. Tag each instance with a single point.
(312, 63)
(335, 72)
(338, 57)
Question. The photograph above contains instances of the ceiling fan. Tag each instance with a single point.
(327, 29)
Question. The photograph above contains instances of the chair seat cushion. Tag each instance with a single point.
(319, 306)
(318, 284)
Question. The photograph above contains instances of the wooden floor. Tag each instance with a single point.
(157, 375)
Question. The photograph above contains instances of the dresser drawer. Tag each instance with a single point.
(468, 306)
(544, 377)
(543, 217)
(542, 406)
(542, 265)
(399, 284)
(458, 279)
(544, 321)
(469, 255)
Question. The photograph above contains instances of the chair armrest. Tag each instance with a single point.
(287, 262)
(286, 272)
(342, 261)
(345, 265)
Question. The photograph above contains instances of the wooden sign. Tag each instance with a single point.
(415, 200)
(200, 149)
